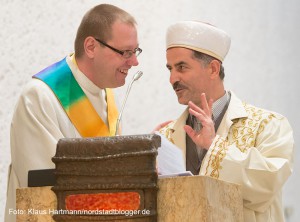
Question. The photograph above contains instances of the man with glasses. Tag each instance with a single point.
(73, 97)
(221, 136)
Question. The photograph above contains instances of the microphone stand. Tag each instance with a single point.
(136, 76)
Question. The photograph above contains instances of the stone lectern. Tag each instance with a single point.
(115, 179)
(113, 175)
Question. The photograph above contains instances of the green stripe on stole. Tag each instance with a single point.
(60, 79)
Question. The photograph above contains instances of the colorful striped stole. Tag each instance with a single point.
(79, 109)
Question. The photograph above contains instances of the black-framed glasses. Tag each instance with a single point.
(126, 53)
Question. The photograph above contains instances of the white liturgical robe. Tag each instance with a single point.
(254, 148)
(38, 123)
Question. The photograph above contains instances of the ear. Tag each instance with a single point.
(215, 66)
(89, 46)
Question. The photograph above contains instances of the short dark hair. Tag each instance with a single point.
(206, 59)
(97, 22)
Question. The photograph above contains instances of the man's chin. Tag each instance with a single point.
(182, 101)
(119, 83)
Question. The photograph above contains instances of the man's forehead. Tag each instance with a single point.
(179, 55)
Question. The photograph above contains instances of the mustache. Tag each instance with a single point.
(178, 85)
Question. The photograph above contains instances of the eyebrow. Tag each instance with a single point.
(177, 64)
(180, 63)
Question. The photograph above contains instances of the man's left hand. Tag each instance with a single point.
(206, 135)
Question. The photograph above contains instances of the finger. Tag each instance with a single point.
(204, 104)
(190, 132)
(199, 116)
(165, 123)
(162, 125)
(195, 107)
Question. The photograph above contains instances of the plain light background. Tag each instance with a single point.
(262, 66)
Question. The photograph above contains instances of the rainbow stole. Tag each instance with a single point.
(79, 109)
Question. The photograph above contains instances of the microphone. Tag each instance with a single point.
(136, 76)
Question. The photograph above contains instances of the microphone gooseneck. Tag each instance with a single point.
(136, 76)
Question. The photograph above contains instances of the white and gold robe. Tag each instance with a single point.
(254, 148)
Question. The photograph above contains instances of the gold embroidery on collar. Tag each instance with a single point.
(242, 134)
(244, 131)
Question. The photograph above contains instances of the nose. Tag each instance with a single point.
(133, 61)
(174, 77)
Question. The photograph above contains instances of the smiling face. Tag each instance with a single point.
(188, 76)
(110, 68)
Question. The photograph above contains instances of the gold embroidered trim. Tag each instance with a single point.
(242, 134)
(244, 131)
(167, 132)
(219, 148)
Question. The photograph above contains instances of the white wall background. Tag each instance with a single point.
(262, 66)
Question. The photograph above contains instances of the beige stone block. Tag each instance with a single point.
(195, 198)
(35, 204)
(199, 199)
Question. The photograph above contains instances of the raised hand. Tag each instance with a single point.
(206, 135)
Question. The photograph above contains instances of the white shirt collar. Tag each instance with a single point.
(84, 81)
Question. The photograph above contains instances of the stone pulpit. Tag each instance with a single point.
(115, 179)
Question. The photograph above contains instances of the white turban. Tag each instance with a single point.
(200, 37)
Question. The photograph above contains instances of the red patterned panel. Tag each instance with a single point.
(103, 201)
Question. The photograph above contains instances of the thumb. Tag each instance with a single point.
(190, 132)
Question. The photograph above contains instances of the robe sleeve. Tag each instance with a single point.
(35, 130)
(260, 169)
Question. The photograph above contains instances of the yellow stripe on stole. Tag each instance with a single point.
(89, 126)
(92, 125)
(112, 111)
